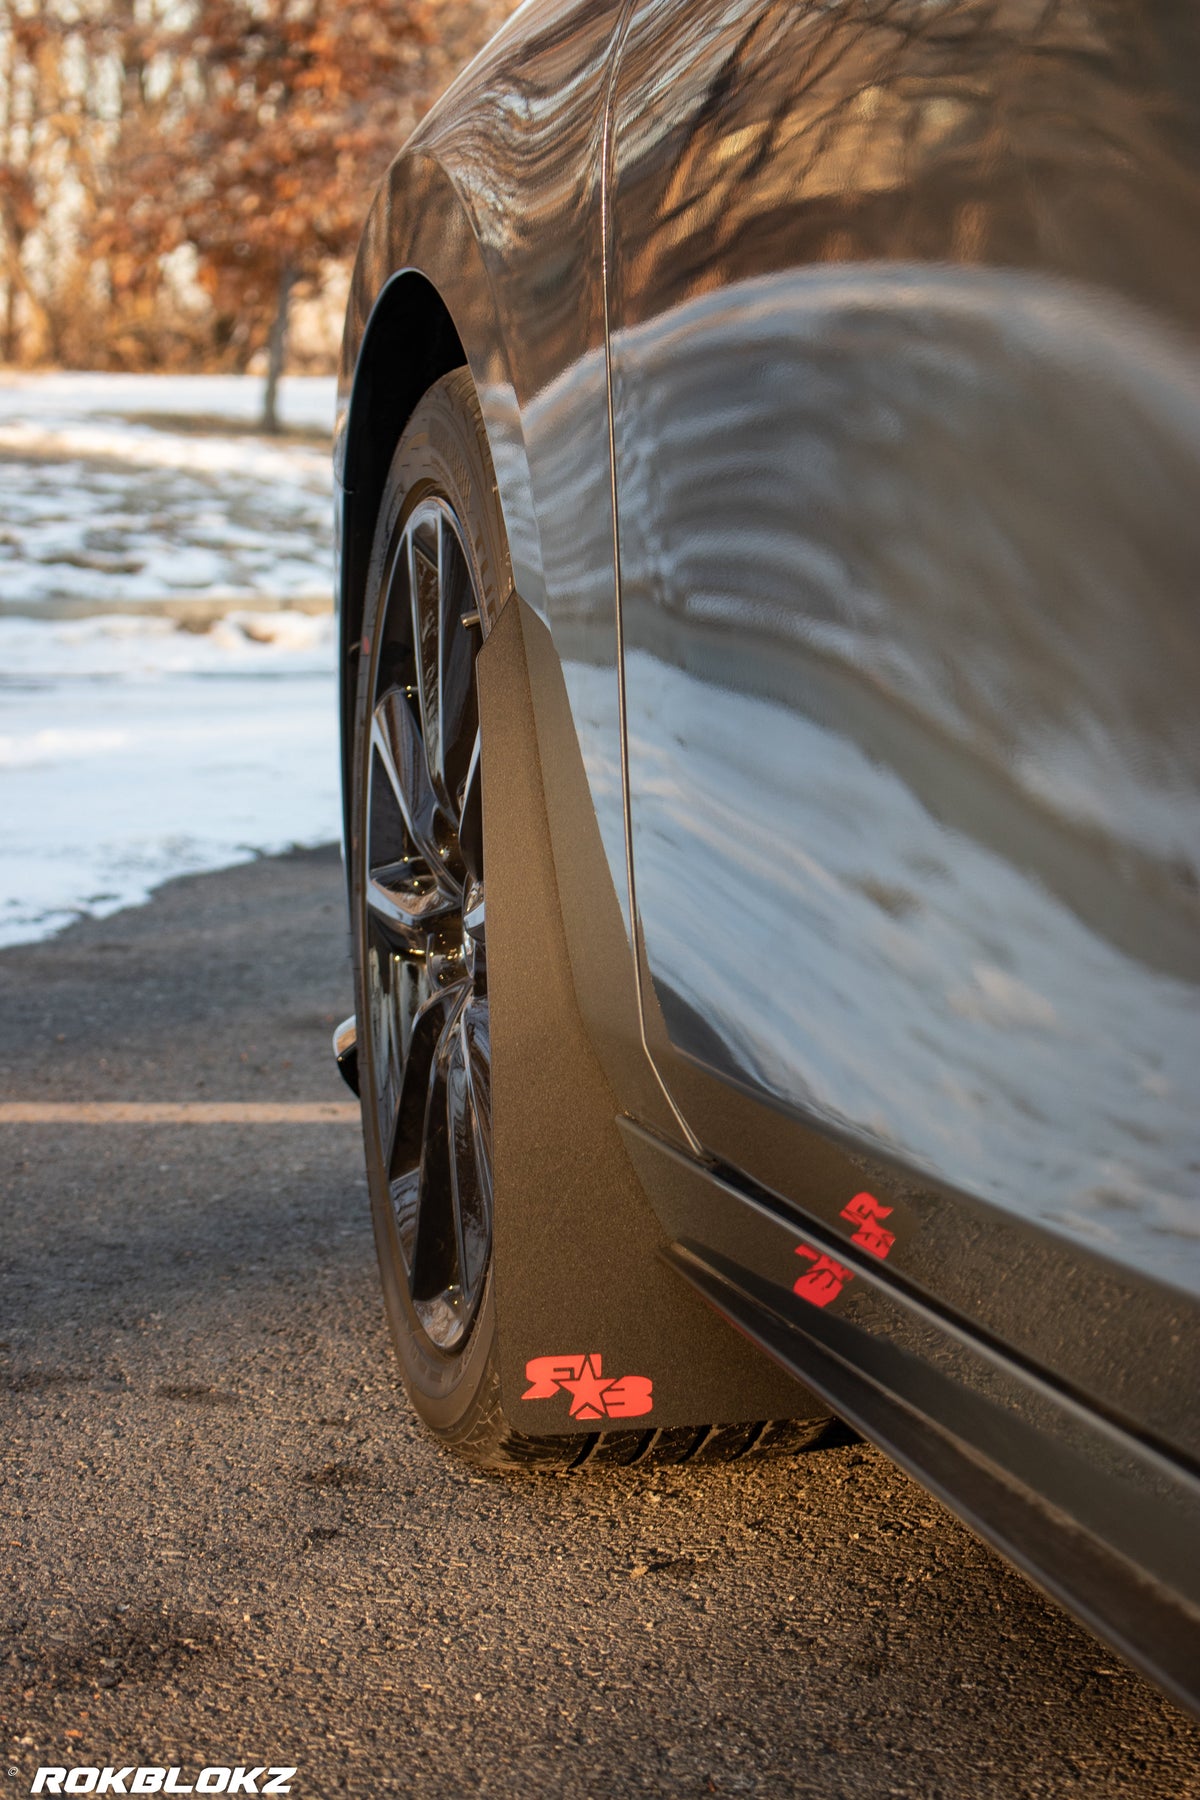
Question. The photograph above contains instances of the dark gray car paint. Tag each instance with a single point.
(906, 421)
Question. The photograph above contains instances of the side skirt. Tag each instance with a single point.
(1102, 1522)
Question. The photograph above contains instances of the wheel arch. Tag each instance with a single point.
(422, 302)
(409, 342)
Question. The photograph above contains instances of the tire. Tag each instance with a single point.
(438, 576)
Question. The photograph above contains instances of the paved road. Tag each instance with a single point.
(224, 1538)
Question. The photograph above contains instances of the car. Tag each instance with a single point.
(768, 535)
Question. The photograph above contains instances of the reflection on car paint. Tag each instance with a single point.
(942, 780)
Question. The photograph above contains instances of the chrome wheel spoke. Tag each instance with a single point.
(470, 819)
(477, 1057)
(471, 1168)
(440, 593)
(401, 1098)
(457, 711)
(408, 878)
(396, 745)
(436, 1269)
(397, 992)
(421, 561)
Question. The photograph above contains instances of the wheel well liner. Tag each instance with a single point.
(410, 342)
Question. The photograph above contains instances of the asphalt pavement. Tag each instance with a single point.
(224, 1538)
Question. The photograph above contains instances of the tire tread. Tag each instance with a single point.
(487, 1441)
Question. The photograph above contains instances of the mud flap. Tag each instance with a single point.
(595, 1331)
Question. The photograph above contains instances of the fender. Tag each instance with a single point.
(420, 304)
(511, 265)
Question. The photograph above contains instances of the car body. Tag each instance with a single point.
(838, 367)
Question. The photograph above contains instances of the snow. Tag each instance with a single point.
(304, 401)
(167, 659)
(134, 489)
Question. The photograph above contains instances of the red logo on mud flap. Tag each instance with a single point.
(866, 1211)
(593, 1394)
(824, 1281)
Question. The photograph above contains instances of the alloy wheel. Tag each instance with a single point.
(429, 1065)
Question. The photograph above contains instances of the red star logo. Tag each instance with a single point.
(589, 1389)
(593, 1395)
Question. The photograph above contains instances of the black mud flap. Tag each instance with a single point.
(595, 1330)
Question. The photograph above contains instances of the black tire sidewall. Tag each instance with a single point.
(443, 453)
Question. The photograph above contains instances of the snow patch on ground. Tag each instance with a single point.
(305, 402)
(161, 708)
(132, 750)
(122, 490)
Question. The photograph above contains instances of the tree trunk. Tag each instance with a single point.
(8, 353)
(277, 351)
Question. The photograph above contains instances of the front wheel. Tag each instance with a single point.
(438, 576)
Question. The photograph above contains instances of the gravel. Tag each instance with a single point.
(227, 1540)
